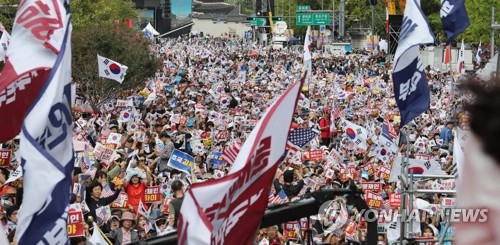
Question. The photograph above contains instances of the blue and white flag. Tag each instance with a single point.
(181, 161)
(46, 147)
(410, 85)
(454, 18)
(216, 159)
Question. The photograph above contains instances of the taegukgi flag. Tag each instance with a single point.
(357, 134)
(410, 85)
(46, 147)
(212, 211)
(111, 69)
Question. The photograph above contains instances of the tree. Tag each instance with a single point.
(85, 12)
(96, 32)
(8, 10)
(119, 43)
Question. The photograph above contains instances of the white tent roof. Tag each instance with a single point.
(151, 29)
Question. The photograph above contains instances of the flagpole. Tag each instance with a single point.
(102, 233)
(403, 179)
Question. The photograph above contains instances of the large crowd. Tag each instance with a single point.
(206, 100)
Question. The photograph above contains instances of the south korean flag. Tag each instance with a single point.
(386, 149)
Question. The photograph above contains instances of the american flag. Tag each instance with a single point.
(105, 131)
(279, 198)
(386, 205)
(229, 154)
(388, 130)
(298, 138)
(106, 191)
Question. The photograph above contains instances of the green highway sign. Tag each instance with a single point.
(302, 8)
(255, 21)
(313, 19)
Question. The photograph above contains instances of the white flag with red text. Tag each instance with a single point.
(35, 43)
(238, 200)
(46, 146)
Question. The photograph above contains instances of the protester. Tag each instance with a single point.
(174, 206)
(94, 200)
(126, 234)
(205, 105)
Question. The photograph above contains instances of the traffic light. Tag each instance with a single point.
(371, 2)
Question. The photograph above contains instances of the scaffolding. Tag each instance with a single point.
(408, 194)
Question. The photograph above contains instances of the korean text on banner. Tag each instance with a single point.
(46, 147)
(212, 210)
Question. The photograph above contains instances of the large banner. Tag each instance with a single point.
(46, 147)
(212, 211)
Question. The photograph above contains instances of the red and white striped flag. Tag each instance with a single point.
(279, 198)
(106, 191)
(231, 152)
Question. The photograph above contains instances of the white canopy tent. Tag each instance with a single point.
(151, 29)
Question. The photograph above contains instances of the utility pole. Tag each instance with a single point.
(342, 19)
(494, 27)
(333, 21)
(492, 43)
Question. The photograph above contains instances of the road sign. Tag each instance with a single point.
(302, 8)
(322, 28)
(255, 21)
(313, 19)
(280, 27)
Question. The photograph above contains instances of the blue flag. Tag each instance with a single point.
(411, 90)
(181, 161)
(454, 18)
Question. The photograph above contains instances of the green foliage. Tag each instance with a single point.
(480, 18)
(8, 10)
(116, 42)
(85, 12)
